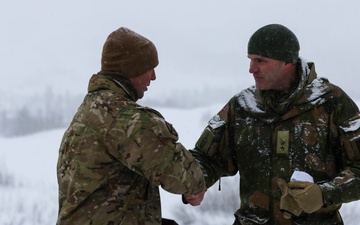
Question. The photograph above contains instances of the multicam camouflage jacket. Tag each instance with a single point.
(113, 158)
(319, 135)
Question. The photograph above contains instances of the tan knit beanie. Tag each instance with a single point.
(128, 54)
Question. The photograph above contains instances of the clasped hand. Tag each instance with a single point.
(299, 196)
(195, 199)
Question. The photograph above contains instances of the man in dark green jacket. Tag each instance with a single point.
(115, 153)
(294, 138)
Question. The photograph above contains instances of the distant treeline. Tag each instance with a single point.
(38, 113)
(50, 111)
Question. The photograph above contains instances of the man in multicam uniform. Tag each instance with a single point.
(115, 153)
(291, 120)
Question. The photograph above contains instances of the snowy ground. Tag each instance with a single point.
(28, 167)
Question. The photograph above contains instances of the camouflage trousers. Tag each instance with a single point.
(311, 219)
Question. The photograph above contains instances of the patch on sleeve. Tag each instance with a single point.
(205, 140)
(160, 117)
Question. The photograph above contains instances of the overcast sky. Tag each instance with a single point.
(201, 44)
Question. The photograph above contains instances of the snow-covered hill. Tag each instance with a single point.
(28, 168)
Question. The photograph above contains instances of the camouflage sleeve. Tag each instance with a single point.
(345, 186)
(150, 148)
(213, 149)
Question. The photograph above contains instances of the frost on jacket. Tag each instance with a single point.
(323, 128)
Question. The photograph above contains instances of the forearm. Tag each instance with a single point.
(175, 169)
(343, 188)
(211, 170)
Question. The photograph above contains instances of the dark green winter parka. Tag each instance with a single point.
(318, 133)
(115, 155)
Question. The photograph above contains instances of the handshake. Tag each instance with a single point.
(299, 196)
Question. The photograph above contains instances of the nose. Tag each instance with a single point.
(253, 67)
(153, 75)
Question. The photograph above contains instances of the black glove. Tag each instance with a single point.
(184, 199)
(165, 221)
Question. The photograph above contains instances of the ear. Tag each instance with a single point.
(289, 67)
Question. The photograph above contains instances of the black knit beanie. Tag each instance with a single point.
(275, 41)
(128, 54)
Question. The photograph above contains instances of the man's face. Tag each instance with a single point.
(142, 81)
(270, 74)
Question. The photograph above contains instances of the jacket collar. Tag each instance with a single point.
(311, 94)
(108, 81)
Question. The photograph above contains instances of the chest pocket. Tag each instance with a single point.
(252, 140)
(251, 132)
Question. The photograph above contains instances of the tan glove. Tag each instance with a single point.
(287, 202)
(307, 195)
